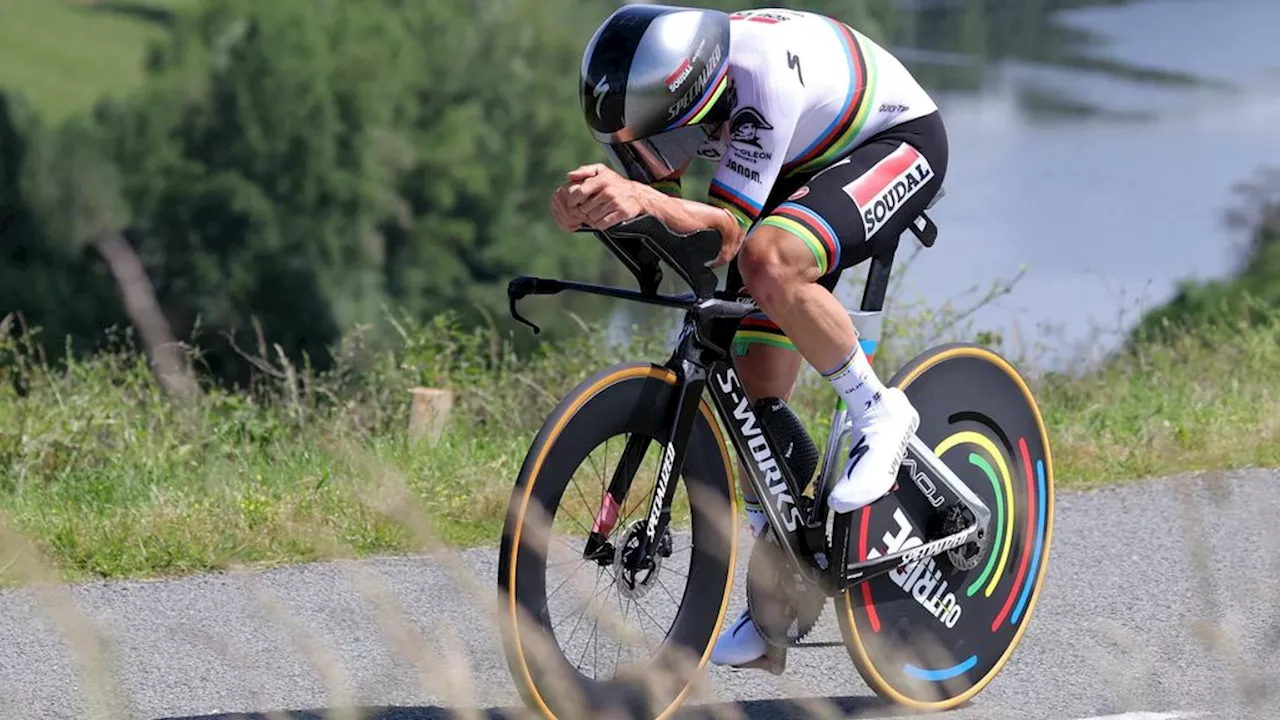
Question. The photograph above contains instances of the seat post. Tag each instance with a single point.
(868, 320)
(878, 280)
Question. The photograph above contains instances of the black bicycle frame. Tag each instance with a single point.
(702, 361)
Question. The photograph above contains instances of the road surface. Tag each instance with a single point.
(1162, 601)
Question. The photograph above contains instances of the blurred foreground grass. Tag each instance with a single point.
(111, 480)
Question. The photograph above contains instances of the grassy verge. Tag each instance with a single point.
(63, 55)
(111, 480)
(1186, 399)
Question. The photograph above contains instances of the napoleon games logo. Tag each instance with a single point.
(746, 126)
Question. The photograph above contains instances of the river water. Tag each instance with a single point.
(1107, 211)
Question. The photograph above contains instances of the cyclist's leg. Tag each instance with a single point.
(794, 257)
(767, 365)
(765, 371)
(842, 216)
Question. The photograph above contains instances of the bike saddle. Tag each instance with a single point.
(689, 254)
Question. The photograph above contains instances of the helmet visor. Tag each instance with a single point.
(658, 157)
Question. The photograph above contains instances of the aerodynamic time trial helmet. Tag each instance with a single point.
(653, 83)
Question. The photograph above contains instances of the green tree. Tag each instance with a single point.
(56, 282)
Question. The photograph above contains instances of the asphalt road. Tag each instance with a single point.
(1162, 600)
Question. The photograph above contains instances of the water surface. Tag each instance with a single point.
(1114, 198)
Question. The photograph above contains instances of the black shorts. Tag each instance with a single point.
(851, 210)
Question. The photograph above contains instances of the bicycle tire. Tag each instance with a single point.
(631, 397)
(881, 663)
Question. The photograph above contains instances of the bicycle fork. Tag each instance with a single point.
(682, 414)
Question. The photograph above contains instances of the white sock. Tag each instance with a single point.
(856, 382)
(756, 519)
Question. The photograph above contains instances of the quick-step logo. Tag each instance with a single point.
(759, 448)
(922, 580)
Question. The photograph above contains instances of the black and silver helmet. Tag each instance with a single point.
(654, 80)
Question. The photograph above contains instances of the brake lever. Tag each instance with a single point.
(518, 289)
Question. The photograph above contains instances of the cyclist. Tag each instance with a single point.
(826, 148)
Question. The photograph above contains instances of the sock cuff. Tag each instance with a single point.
(844, 364)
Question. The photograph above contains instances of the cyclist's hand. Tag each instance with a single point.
(730, 245)
(567, 217)
(604, 197)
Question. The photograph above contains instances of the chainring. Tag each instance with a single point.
(955, 518)
(784, 610)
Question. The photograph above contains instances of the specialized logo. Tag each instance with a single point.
(886, 186)
(601, 89)
(922, 580)
(793, 62)
(699, 85)
(744, 171)
(804, 190)
(746, 126)
(664, 479)
(758, 447)
(856, 452)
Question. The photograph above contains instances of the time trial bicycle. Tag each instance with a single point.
(932, 585)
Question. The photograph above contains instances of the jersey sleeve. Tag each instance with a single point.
(766, 110)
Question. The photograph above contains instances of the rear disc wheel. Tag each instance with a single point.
(932, 635)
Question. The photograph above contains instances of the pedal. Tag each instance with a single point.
(774, 661)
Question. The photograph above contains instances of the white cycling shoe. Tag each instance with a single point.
(740, 644)
(887, 429)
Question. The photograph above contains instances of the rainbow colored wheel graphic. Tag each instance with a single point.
(931, 638)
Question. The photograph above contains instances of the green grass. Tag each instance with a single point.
(1193, 399)
(62, 55)
(109, 479)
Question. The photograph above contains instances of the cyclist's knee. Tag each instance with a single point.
(772, 261)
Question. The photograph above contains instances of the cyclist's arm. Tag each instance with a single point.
(686, 216)
(663, 200)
